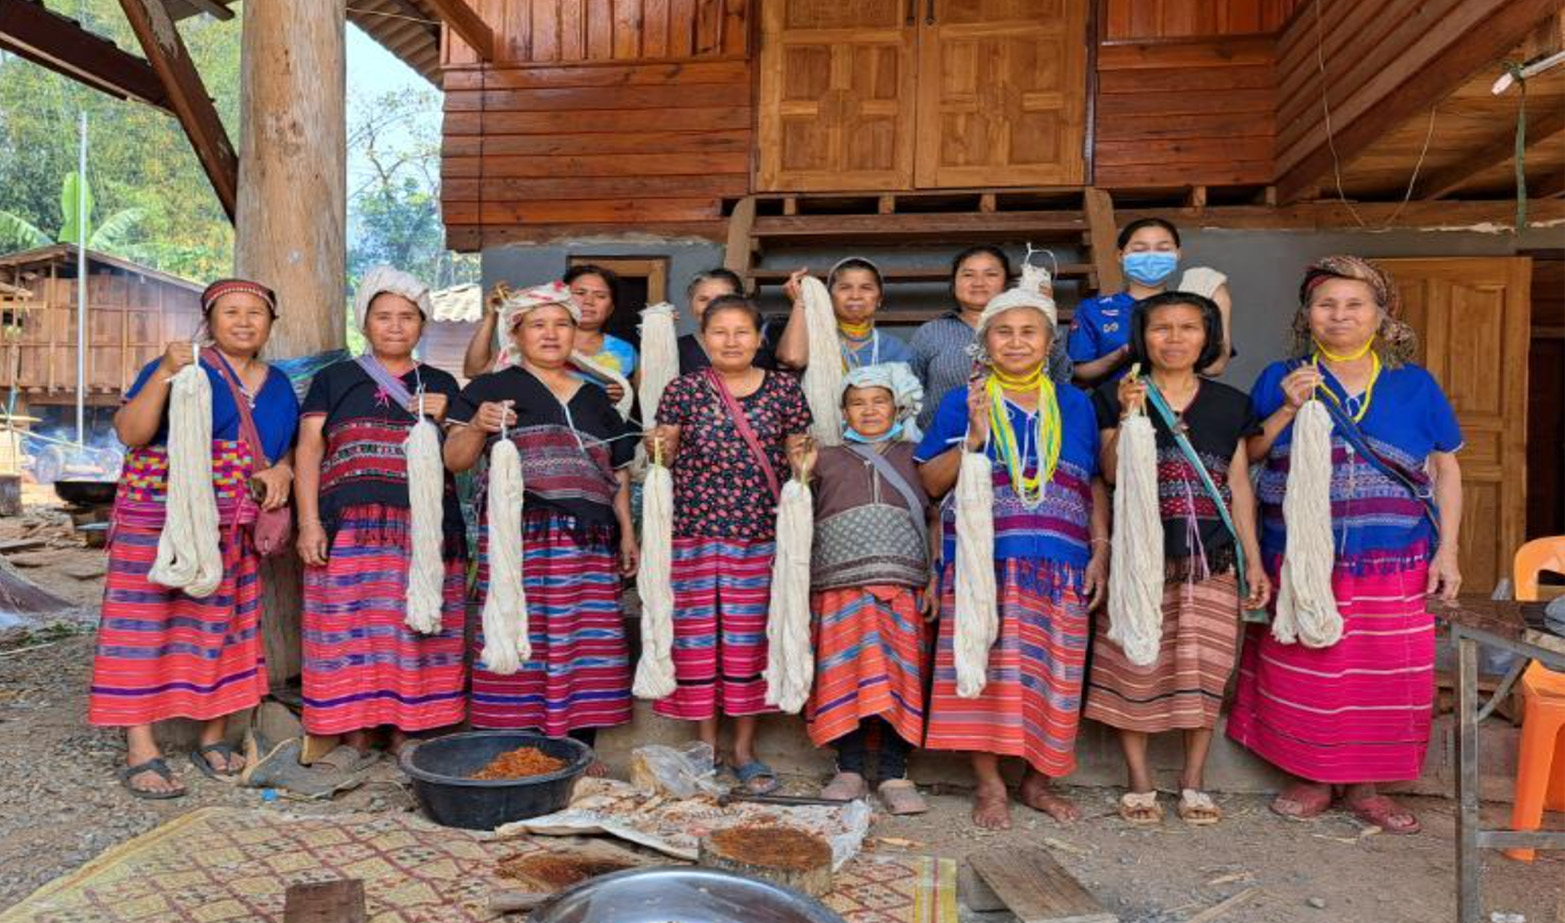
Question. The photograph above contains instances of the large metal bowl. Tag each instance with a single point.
(681, 894)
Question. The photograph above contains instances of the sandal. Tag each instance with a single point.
(1380, 811)
(1197, 808)
(1140, 809)
(755, 770)
(157, 766)
(845, 786)
(900, 797)
(198, 759)
(1311, 800)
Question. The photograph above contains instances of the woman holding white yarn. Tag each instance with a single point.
(1354, 709)
(163, 653)
(1202, 509)
(576, 534)
(377, 653)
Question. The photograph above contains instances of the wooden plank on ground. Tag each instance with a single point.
(340, 901)
(1037, 888)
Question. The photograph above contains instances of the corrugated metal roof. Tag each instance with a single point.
(66, 253)
(409, 29)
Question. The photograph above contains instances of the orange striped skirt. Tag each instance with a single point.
(1183, 688)
(869, 662)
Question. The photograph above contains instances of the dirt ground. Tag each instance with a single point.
(60, 806)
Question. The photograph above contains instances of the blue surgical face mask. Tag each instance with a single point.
(1151, 267)
(889, 435)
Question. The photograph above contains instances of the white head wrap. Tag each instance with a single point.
(380, 280)
(519, 304)
(905, 388)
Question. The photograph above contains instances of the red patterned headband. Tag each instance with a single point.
(223, 287)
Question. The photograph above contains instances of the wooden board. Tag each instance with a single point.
(1037, 888)
(1167, 19)
(588, 31)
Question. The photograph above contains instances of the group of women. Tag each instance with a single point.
(993, 495)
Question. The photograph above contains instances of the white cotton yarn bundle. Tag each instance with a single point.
(506, 645)
(1201, 280)
(1135, 574)
(823, 376)
(654, 578)
(1306, 607)
(977, 608)
(426, 502)
(189, 557)
(790, 660)
(654, 584)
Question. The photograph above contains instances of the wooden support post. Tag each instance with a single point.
(1102, 234)
(1196, 198)
(292, 209)
(885, 205)
(736, 256)
(987, 203)
(468, 25)
(166, 52)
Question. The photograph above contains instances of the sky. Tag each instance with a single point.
(372, 72)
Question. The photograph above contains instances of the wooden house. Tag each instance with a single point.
(133, 312)
(770, 133)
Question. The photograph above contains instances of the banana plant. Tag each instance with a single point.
(17, 232)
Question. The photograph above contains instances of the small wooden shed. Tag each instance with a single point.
(133, 311)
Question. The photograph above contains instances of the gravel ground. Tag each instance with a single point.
(60, 806)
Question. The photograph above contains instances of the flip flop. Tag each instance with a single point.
(198, 759)
(1378, 811)
(1313, 800)
(155, 765)
(1133, 805)
(1197, 808)
(755, 769)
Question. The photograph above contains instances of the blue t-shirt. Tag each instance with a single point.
(1371, 513)
(616, 354)
(276, 409)
(1100, 326)
(1059, 528)
(879, 348)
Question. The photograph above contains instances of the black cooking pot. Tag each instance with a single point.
(86, 493)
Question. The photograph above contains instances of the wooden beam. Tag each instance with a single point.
(166, 51)
(212, 8)
(468, 25)
(1412, 87)
(1500, 150)
(1551, 188)
(49, 40)
(1320, 216)
(1102, 234)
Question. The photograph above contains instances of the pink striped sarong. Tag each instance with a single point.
(579, 673)
(721, 590)
(1031, 706)
(162, 654)
(1357, 711)
(363, 667)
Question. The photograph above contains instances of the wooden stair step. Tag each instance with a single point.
(914, 274)
(1036, 226)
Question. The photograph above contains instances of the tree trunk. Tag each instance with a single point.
(291, 215)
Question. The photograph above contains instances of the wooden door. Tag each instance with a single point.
(1002, 93)
(836, 95)
(1473, 321)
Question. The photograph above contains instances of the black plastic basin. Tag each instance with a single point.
(440, 770)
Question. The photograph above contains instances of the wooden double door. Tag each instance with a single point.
(905, 94)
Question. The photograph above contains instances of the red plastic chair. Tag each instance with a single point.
(1540, 761)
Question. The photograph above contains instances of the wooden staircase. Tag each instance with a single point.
(1082, 218)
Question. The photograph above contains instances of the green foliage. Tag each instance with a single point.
(17, 233)
(75, 198)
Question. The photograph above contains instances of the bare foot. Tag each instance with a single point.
(1303, 800)
(1038, 794)
(992, 807)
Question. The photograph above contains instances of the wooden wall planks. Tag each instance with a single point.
(1191, 112)
(572, 31)
(532, 152)
(1154, 19)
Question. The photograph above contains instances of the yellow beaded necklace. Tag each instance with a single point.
(1047, 434)
(1374, 374)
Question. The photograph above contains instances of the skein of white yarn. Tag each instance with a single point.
(1306, 606)
(506, 645)
(1136, 554)
(823, 376)
(977, 610)
(189, 557)
(659, 355)
(426, 502)
(654, 584)
(790, 660)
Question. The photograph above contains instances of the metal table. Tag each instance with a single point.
(1516, 627)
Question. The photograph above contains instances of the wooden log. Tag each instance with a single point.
(340, 901)
(785, 855)
(291, 215)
